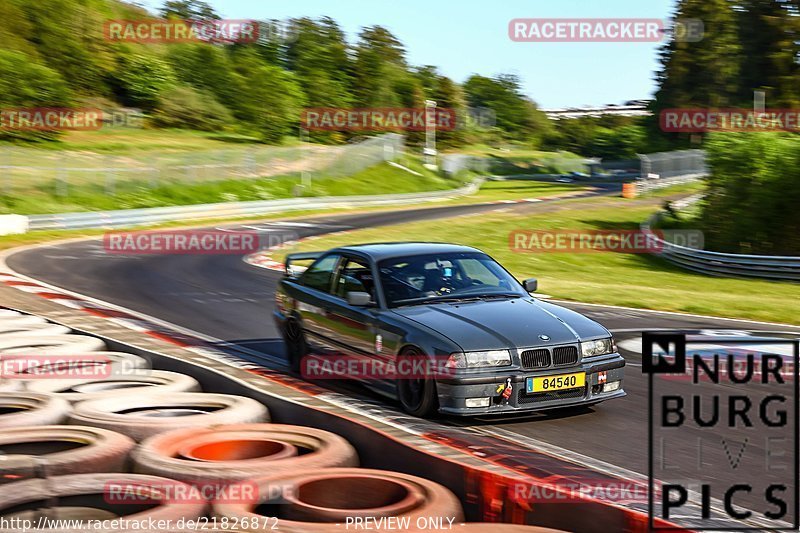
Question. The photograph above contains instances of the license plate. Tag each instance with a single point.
(559, 382)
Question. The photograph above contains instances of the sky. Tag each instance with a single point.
(464, 37)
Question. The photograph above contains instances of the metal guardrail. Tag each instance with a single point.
(722, 264)
(137, 217)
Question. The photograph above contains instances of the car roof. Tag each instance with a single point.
(386, 250)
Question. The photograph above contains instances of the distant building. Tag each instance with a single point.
(631, 108)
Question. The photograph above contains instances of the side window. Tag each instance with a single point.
(320, 275)
(356, 276)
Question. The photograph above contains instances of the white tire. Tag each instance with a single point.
(34, 366)
(142, 416)
(144, 381)
(45, 329)
(31, 409)
(55, 344)
(21, 320)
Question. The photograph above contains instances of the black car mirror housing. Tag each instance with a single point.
(531, 284)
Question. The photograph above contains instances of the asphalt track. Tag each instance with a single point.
(222, 297)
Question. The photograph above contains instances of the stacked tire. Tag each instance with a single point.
(119, 428)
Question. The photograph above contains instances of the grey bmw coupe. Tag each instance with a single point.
(495, 348)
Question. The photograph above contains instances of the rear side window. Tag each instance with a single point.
(320, 275)
(356, 276)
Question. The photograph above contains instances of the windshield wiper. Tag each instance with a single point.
(456, 298)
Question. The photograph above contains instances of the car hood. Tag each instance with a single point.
(499, 324)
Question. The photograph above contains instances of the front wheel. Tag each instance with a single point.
(417, 394)
(295, 341)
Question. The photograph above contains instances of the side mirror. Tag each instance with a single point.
(531, 284)
(358, 299)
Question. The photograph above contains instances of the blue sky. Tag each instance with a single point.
(463, 37)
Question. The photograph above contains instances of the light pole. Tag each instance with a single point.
(430, 134)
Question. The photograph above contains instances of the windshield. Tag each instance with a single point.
(429, 278)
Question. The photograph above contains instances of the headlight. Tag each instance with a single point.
(479, 359)
(598, 347)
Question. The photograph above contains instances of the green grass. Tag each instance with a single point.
(122, 141)
(379, 179)
(632, 280)
(520, 189)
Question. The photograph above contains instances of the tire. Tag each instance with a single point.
(295, 342)
(51, 450)
(19, 409)
(145, 416)
(143, 382)
(95, 489)
(21, 320)
(239, 452)
(318, 499)
(501, 528)
(9, 385)
(8, 330)
(121, 364)
(55, 344)
(417, 396)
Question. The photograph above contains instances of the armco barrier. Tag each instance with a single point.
(137, 217)
(722, 264)
(13, 224)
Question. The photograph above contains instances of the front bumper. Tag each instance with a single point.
(454, 391)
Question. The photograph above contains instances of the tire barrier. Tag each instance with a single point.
(143, 382)
(9, 385)
(476, 527)
(49, 367)
(90, 492)
(20, 320)
(52, 345)
(311, 501)
(239, 452)
(19, 409)
(62, 450)
(143, 417)
(46, 329)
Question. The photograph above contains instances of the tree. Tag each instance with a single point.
(141, 79)
(378, 67)
(317, 55)
(702, 74)
(516, 115)
(770, 37)
(188, 10)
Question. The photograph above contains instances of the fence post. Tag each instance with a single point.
(62, 188)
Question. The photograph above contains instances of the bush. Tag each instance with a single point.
(185, 107)
(754, 193)
(25, 83)
(142, 79)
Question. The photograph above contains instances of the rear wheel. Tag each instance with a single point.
(417, 394)
(295, 341)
